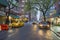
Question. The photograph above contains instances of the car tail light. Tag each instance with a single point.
(4, 27)
(0, 27)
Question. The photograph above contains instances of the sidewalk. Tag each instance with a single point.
(56, 30)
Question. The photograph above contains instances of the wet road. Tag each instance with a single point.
(28, 32)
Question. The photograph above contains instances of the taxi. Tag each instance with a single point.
(25, 19)
(44, 25)
(17, 24)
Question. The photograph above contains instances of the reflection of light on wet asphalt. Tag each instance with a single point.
(40, 32)
(12, 32)
(48, 34)
(34, 27)
(11, 35)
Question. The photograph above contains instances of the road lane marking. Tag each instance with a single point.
(12, 32)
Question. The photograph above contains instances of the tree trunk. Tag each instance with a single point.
(7, 19)
(44, 16)
(7, 15)
(29, 16)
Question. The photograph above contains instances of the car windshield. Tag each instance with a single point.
(44, 23)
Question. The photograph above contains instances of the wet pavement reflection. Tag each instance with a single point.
(28, 32)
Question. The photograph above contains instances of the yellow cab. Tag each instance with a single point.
(17, 23)
(25, 19)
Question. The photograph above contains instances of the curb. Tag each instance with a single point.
(58, 35)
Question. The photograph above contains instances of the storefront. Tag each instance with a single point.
(2, 17)
(3, 3)
(55, 19)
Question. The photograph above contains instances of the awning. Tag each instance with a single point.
(2, 13)
(14, 16)
(14, 3)
(4, 2)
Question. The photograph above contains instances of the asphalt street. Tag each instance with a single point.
(27, 32)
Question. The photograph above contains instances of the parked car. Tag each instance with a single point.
(34, 22)
(21, 23)
(45, 25)
(17, 24)
(3, 27)
(25, 19)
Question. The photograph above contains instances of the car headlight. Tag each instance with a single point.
(41, 25)
(47, 25)
(17, 24)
